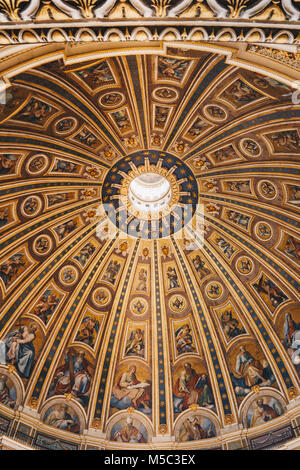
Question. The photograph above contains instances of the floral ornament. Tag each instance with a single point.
(11, 8)
(86, 7)
(102, 232)
(101, 211)
(156, 140)
(181, 147)
(194, 407)
(202, 229)
(123, 248)
(130, 410)
(201, 163)
(88, 193)
(108, 153)
(131, 142)
(105, 231)
(161, 10)
(210, 185)
(236, 6)
(92, 172)
(212, 209)
(90, 215)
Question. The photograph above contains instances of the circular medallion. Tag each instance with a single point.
(31, 206)
(165, 94)
(37, 164)
(65, 125)
(215, 113)
(150, 194)
(250, 147)
(138, 306)
(177, 303)
(68, 275)
(111, 100)
(42, 245)
(101, 296)
(263, 231)
(244, 265)
(267, 189)
(261, 82)
(214, 290)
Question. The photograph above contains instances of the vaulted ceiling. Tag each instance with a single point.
(167, 312)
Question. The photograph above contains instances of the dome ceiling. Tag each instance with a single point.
(158, 329)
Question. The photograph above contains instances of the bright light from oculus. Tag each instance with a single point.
(149, 192)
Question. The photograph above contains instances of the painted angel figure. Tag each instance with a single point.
(172, 68)
(136, 344)
(172, 278)
(11, 267)
(142, 278)
(88, 330)
(184, 339)
(199, 265)
(7, 163)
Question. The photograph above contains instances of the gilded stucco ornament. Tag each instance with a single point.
(25, 10)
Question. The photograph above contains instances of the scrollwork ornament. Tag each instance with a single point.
(291, 12)
(218, 10)
(70, 11)
(27, 10)
(33, 403)
(229, 419)
(103, 10)
(163, 429)
(96, 423)
(11, 368)
(292, 393)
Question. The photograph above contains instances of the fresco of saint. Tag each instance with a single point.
(20, 350)
(130, 391)
(190, 388)
(128, 431)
